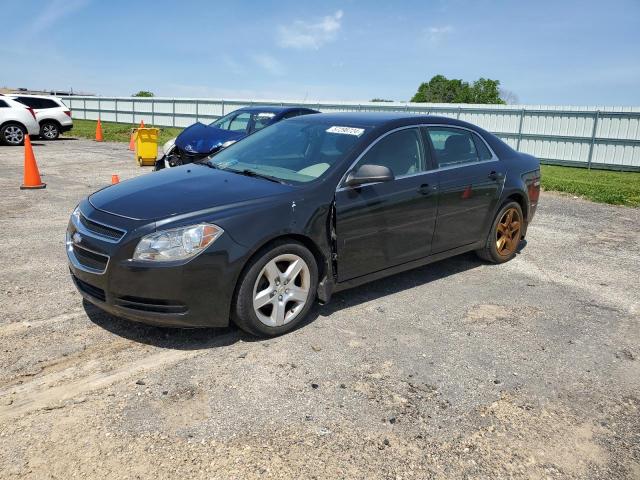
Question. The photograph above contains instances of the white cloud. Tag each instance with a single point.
(310, 35)
(436, 34)
(54, 11)
(270, 64)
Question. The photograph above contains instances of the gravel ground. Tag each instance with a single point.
(456, 370)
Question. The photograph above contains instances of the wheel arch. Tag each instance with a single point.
(520, 198)
(14, 122)
(312, 246)
(308, 242)
(49, 120)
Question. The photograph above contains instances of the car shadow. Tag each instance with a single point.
(204, 338)
(163, 337)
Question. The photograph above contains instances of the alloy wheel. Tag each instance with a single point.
(13, 135)
(508, 232)
(50, 131)
(281, 290)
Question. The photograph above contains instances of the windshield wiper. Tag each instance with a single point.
(252, 173)
(206, 164)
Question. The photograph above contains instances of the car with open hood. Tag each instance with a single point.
(294, 212)
(199, 140)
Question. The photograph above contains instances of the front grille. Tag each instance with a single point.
(102, 230)
(91, 260)
(185, 157)
(90, 290)
(151, 305)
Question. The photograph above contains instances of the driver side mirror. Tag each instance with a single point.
(369, 174)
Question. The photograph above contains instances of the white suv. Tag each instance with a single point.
(16, 120)
(52, 114)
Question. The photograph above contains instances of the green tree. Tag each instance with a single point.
(143, 93)
(440, 89)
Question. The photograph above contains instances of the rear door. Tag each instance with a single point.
(381, 225)
(470, 179)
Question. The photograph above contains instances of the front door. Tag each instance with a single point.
(385, 224)
(470, 182)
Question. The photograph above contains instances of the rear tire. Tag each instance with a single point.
(49, 130)
(505, 234)
(12, 134)
(276, 290)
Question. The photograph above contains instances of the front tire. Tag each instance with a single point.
(277, 289)
(505, 235)
(49, 130)
(12, 134)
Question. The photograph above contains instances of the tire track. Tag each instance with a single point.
(44, 393)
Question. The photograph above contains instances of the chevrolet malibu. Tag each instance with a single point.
(295, 212)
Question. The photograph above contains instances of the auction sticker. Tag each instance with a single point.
(346, 130)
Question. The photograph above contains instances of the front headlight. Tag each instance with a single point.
(168, 146)
(75, 215)
(177, 243)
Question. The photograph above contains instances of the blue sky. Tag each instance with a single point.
(547, 52)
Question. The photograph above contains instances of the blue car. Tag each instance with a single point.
(199, 140)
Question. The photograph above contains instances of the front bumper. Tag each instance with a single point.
(197, 293)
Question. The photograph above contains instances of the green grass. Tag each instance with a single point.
(617, 188)
(115, 132)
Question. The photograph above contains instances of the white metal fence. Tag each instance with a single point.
(599, 137)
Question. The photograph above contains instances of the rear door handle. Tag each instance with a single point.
(495, 175)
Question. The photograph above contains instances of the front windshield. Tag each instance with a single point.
(295, 151)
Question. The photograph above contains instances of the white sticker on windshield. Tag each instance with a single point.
(266, 115)
(346, 130)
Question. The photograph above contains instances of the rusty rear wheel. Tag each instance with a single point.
(505, 235)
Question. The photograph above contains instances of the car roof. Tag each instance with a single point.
(382, 119)
(27, 95)
(272, 109)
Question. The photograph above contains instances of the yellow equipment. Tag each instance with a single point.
(146, 145)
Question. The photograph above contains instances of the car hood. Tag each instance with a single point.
(200, 138)
(182, 190)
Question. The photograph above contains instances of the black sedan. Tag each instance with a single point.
(295, 212)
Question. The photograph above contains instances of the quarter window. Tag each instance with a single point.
(453, 146)
(400, 151)
(3, 104)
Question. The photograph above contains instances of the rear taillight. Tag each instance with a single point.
(32, 112)
(68, 113)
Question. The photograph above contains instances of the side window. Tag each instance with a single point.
(453, 146)
(3, 104)
(400, 151)
(261, 120)
(240, 122)
(29, 102)
(483, 151)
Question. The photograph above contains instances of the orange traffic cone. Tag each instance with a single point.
(31, 173)
(115, 179)
(99, 131)
(132, 139)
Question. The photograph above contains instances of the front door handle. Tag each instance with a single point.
(495, 175)
(426, 189)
